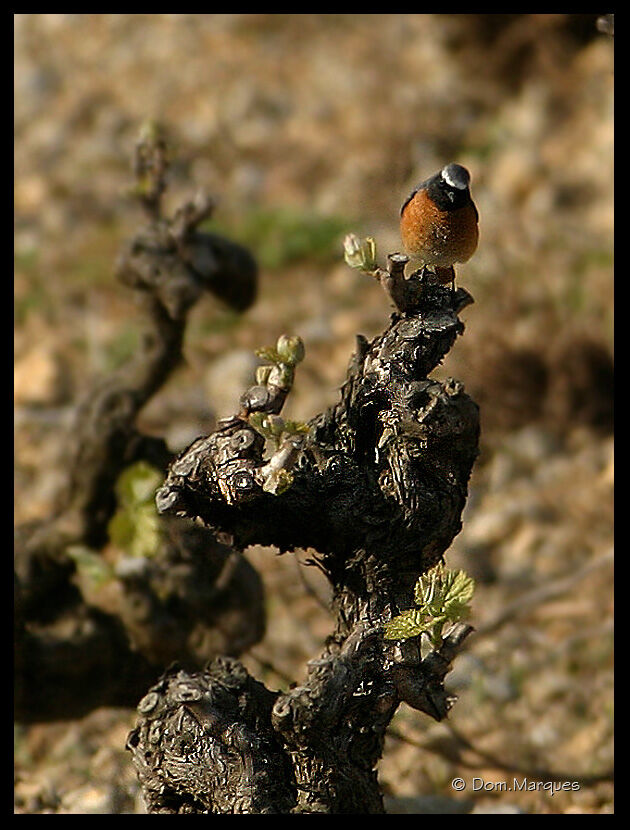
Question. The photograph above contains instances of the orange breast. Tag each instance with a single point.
(438, 237)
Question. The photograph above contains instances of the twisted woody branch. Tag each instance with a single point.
(192, 598)
(377, 487)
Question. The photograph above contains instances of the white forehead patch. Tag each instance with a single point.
(456, 176)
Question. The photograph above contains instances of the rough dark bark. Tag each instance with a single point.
(195, 597)
(378, 490)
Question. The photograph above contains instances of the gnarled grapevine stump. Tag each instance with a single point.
(378, 490)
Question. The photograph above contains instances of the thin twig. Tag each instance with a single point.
(539, 773)
(541, 594)
(309, 588)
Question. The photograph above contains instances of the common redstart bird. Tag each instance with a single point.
(439, 223)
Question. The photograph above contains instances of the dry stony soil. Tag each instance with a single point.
(306, 127)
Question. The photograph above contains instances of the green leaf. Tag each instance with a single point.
(457, 591)
(296, 427)
(90, 565)
(135, 527)
(441, 596)
(410, 623)
(121, 529)
(256, 420)
(444, 592)
(137, 484)
(269, 353)
(360, 254)
(426, 586)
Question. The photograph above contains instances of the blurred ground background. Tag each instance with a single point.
(306, 127)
